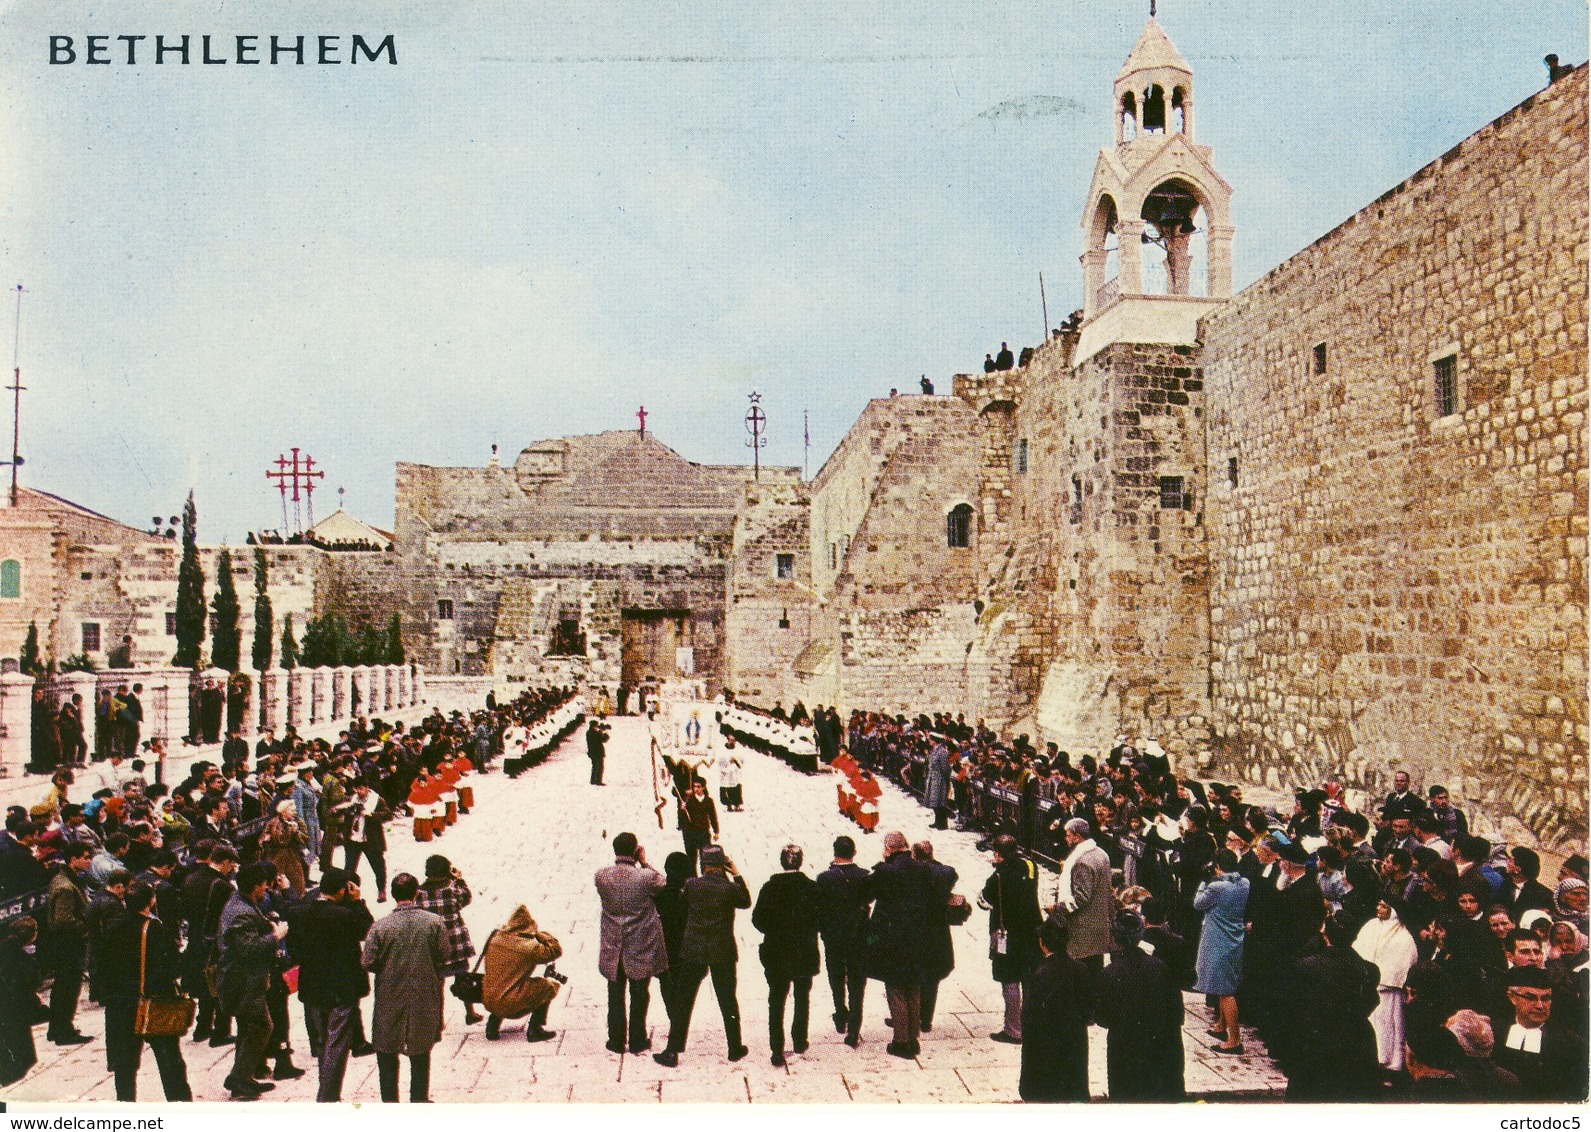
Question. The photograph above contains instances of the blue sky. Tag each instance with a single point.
(550, 213)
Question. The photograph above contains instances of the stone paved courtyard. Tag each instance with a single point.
(538, 839)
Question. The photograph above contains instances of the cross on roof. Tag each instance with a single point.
(642, 415)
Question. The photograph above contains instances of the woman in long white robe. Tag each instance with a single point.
(1385, 942)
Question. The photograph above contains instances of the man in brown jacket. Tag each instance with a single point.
(66, 921)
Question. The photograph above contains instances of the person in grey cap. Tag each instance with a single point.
(1141, 1006)
(708, 947)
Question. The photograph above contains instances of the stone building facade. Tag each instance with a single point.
(603, 558)
(87, 581)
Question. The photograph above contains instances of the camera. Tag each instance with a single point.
(555, 975)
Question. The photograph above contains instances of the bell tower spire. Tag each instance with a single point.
(1158, 234)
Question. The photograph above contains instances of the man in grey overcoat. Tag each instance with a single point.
(936, 786)
(1087, 902)
(405, 951)
(632, 941)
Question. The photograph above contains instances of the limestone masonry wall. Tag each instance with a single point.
(1392, 585)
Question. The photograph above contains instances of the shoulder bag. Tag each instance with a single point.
(167, 1016)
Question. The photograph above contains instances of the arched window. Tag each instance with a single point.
(10, 578)
(1179, 112)
(1155, 110)
(1129, 117)
(958, 527)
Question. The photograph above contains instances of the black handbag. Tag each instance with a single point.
(470, 987)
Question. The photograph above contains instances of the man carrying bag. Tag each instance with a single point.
(509, 988)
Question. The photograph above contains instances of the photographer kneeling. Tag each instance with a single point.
(509, 989)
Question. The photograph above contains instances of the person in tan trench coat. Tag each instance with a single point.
(406, 952)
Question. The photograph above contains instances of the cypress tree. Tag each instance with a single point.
(289, 646)
(395, 639)
(227, 645)
(190, 592)
(312, 649)
(372, 649)
(264, 630)
(336, 640)
(28, 660)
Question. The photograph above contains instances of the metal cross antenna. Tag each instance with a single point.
(756, 421)
(16, 398)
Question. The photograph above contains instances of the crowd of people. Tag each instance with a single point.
(1434, 961)
(59, 726)
(224, 890)
(1378, 947)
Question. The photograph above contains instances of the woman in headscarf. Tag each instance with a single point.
(1572, 900)
(284, 842)
(1385, 942)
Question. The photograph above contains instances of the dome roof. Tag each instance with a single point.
(1153, 51)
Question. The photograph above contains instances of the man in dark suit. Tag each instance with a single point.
(1055, 1013)
(325, 938)
(1550, 1061)
(1402, 802)
(132, 719)
(596, 749)
(1524, 891)
(842, 920)
(708, 948)
(903, 895)
(20, 870)
(787, 916)
(1283, 927)
(235, 752)
(1139, 1002)
(1328, 1051)
(1165, 944)
(1012, 896)
(939, 953)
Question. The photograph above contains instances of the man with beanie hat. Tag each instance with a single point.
(1140, 1004)
(324, 938)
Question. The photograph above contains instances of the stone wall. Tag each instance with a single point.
(1095, 616)
(899, 618)
(1393, 586)
(770, 618)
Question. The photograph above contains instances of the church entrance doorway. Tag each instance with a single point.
(656, 645)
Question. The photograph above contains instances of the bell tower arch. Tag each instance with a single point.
(1157, 225)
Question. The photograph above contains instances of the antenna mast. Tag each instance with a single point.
(16, 399)
(1045, 304)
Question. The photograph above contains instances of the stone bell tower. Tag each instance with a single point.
(1158, 243)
